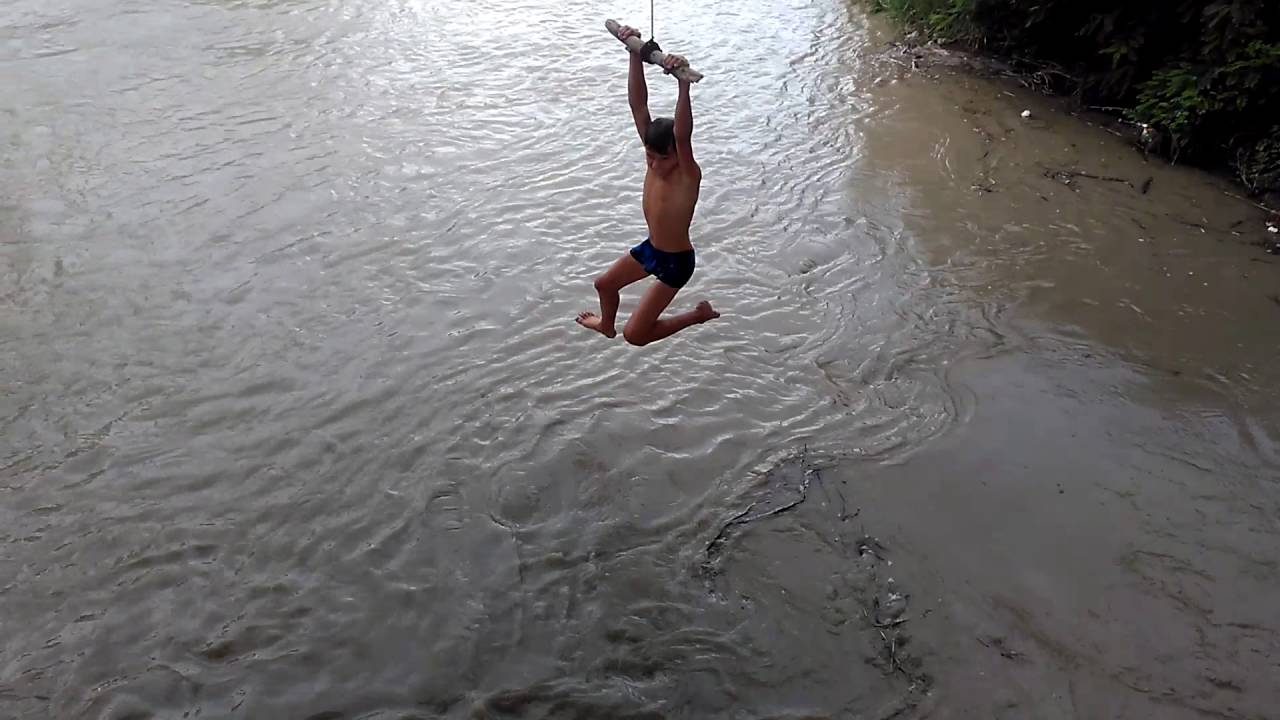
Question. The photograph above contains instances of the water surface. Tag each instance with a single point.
(297, 422)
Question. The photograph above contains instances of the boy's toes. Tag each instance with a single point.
(595, 322)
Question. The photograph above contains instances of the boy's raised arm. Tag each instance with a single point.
(684, 115)
(684, 126)
(637, 88)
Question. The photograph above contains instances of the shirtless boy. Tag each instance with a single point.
(671, 187)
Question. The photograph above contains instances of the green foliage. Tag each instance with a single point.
(1191, 103)
(1174, 100)
(1259, 167)
(953, 20)
(1204, 73)
(945, 20)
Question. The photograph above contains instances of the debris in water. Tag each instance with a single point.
(1026, 114)
(998, 643)
(1271, 244)
(1149, 138)
(807, 474)
(1066, 176)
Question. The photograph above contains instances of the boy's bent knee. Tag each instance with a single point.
(636, 337)
(605, 285)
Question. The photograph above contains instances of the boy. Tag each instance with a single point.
(671, 187)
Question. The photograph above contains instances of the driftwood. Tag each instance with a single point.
(656, 57)
(1258, 205)
(745, 517)
(1066, 176)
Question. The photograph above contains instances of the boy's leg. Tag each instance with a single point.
(622, 273)
(645, 327)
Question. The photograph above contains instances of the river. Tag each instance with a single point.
(297, 422)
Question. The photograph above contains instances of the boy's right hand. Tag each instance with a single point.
(673, 63)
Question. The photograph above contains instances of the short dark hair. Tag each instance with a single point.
(661, 136)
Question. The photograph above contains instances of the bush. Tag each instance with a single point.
(945, 20)
(1259, 167)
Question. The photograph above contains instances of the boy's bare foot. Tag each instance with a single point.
(595, 322)
(705, 312)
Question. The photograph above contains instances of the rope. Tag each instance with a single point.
(651, 31)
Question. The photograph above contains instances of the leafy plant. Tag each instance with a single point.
(945, 20)
(1174, 101)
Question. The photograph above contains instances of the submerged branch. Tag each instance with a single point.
(745, 516)
(1065, 176)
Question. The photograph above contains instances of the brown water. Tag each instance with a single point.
(297, 424)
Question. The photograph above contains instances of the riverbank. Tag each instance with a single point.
(916, 53)
(1090, 539)
(1200, 85)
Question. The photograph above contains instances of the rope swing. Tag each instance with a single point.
(649, 51)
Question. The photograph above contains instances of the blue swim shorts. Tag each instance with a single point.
(671, 268)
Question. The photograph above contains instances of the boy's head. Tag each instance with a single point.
(660, 146)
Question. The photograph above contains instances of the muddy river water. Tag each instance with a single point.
(296, 422)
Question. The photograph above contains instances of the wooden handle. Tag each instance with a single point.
(656, 57)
